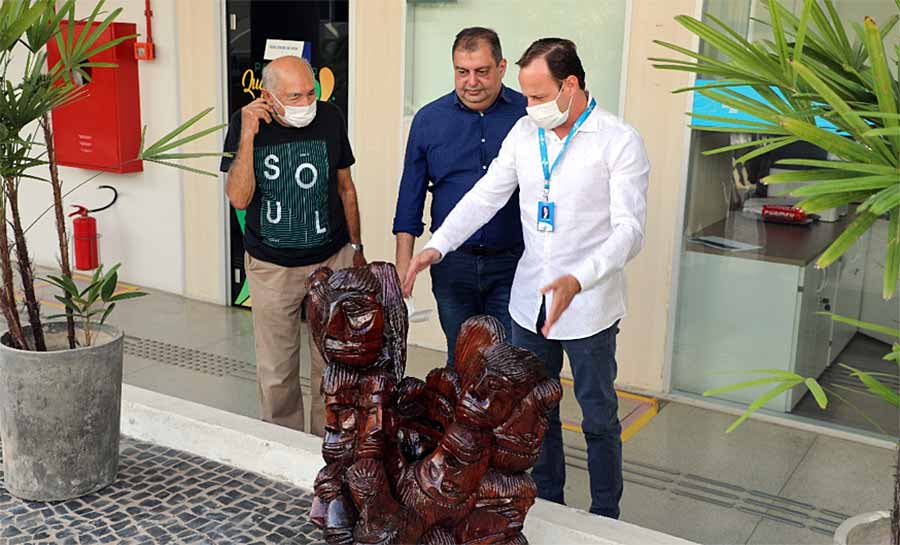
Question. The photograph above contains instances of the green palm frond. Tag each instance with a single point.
(813, 67)
(160, 151)
(46, 28)
(16, 17)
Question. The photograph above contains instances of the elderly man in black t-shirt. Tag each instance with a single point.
(291, 173)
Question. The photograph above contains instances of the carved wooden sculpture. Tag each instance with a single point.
(435, 462)
(441, 486)
(517, 442)
(504, 499)
(376, 392)
(340, 387)
(332, 509)
(382, 519)
(475, 336)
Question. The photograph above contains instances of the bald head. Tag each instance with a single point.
(273, 71)
(291, 80)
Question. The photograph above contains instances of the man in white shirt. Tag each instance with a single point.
(582, 179)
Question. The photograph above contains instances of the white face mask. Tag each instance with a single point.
(547, 115)
(297, 116)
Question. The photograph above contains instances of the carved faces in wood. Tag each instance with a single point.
(437, 461)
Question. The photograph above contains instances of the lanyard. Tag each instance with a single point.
(542, 140)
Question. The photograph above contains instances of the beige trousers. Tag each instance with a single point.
(277, 293)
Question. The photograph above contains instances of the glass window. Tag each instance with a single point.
(749, 294)
(596, 26)
(849, 10)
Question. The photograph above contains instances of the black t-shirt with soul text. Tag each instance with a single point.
(296, 216)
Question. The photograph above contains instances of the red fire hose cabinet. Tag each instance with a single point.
(102, 131)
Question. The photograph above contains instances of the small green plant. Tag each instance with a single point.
(98, 298)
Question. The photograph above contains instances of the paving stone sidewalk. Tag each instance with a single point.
(162, 496)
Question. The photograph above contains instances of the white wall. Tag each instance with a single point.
(200, 28)
(596, 26)
(659, 116)
(144, 229)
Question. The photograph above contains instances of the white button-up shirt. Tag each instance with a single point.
(600, 191)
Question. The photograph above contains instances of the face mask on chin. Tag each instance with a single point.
(547, 115)
(297, 116)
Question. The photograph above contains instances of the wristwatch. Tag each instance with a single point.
(357, 247)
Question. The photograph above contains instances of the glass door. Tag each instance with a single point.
(257, 32)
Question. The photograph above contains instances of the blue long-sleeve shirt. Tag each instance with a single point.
(449, 149)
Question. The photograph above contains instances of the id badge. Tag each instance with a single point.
(546, 217)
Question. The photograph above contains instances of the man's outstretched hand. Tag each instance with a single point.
(564, 289)
(419, 263)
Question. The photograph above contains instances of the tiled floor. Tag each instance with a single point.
(166, 496)
(684, 476)
(760, 484)
(854, 407)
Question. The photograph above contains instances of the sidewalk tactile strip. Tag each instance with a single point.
(187, 358)
(770, 516)
(645, 483)
(709, 490)
(788, 501)
(163, 496)
(774, 507)
(834, 514)
(193, 359)
(714, 482)
(722, 494)
(833, 523)
(700, 497)
(655, 468)
(823, 531)
(648, 475)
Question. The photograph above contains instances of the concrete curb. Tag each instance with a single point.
(295, 457)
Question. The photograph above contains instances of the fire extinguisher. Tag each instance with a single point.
(85, 237)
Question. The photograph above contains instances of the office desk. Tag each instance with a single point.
(796, 245)
(755, 309)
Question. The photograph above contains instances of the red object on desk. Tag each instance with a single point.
(785, 214)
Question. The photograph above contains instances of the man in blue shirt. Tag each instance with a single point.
(451, 143)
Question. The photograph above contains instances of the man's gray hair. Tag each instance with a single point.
(270, 75)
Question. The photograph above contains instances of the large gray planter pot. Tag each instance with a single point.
(59, 415)
(867, 529)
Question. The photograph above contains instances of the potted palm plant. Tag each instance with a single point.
(814, 68)
(60, 381)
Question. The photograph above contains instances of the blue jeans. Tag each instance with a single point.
(593, 361)
(466, 285)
